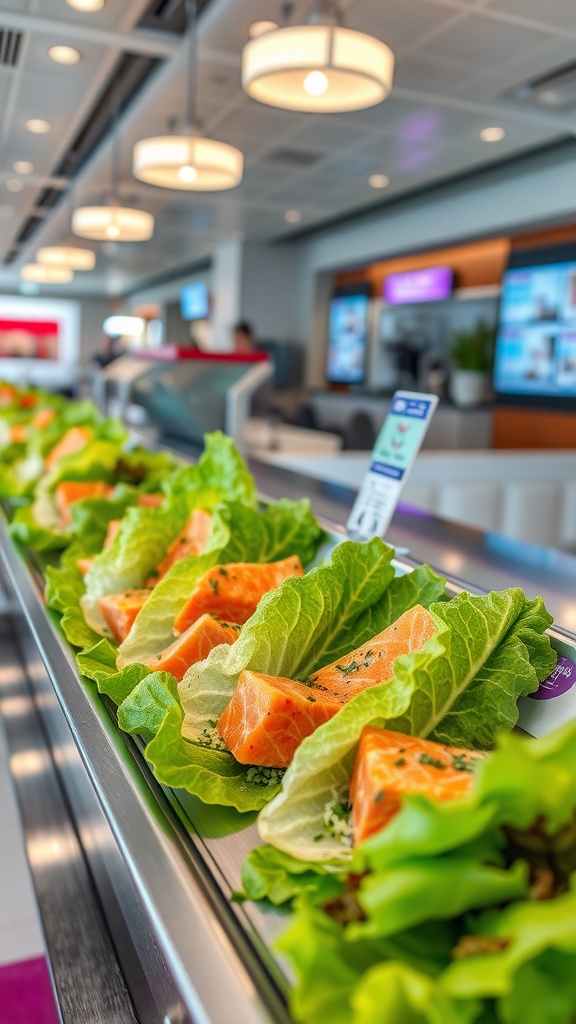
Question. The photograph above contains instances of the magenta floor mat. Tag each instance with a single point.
(26, 994)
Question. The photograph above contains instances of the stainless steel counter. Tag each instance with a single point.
(155, 869)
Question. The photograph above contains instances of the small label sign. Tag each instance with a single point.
(393, 456)
(559, 681)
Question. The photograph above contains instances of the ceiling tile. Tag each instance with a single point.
(398, 24)
(483, 42)
(561, 13)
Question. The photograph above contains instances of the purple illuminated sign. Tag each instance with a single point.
(431, 284)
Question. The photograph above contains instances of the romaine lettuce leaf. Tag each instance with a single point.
(479, 651)
(220, 475)
(239, 534)
(269, 874)
(307, 623)
(395, 993)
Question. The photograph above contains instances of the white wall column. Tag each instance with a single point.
(226, 293)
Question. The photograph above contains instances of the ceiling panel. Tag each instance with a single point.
(561, 13)
(482, 42)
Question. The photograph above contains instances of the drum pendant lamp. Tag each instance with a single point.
(113, 222)
(319, 67)
(188, 161)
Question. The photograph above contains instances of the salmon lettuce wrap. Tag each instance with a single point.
(302, 624)
(455, 912)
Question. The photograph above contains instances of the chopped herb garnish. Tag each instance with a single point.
(347, 669)
(379, 796)
(311, 699)
(223, 571)
(318, 839)
(400, 761)
(460, 764)
(432, 761)
(214, 586)
(265, 776)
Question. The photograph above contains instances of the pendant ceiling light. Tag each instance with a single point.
(188, 161)
(113, 222)
(67, 256)
(40, 273)
(319, 67)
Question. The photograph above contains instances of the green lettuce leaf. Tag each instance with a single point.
(478, 651)
(269, 874)
(220, 475)
(239, 534)
(307, 623)
(395, 993)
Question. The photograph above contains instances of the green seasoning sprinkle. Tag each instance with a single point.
(311, 699)
(214, 585)
(318, 839)
(460, 764)
(154, 572)
(314, 685)
(379, 796)
(265, 776)
(432, 761)
(347, 669)
(223, 571)
(400, 761)
(183, 540)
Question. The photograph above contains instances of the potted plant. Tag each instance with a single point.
(471, 353)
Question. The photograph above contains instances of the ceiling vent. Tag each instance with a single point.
(10, 46)
(298, 158)
(555, 90)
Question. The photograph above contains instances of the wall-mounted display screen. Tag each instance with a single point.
(347, 339)
(429, 284)
(536, 343)
(29, 339)
(194, 301)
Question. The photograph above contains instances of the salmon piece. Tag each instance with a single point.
(150, 500)
(190, 541)
(111, 533)
(194, 645)
(390, 764)
(43, 418)
(268, 717)
(232, 592)
(28, 401)
(18, 433)
(70, 491)
(120, 610)
(7, 395)
(373, 663)
(73, 441)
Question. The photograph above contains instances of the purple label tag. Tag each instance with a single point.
(559, 681)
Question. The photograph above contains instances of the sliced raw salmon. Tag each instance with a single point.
(70, 491)
(7, 394)
(190, 541)
(18, 433)
(43, 418)
(194, 645)
(389, 765)
(111, 533)
(73, 441)
(268, 717)
(150, 500)
(232, 592)
(120, 610)
(373, 663)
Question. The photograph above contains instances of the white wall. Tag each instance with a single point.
(270, 291)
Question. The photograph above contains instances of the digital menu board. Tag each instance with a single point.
(347, 339)
(536, 344)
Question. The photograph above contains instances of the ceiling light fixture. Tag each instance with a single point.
(38, 126)
(378, 181)
(69, 256)
(14, 185)
(113, 222)
(293, 216)
(258, 27)
(188, 161)
(40, 274)
(494, 134)
(86, 5)
(321, 66)
(23, 167)
(64, 54)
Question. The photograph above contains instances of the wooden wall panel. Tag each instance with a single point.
(533, 428)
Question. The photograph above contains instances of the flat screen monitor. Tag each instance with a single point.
(347, 338)
(194, 301)
(535, 357)
(427, 284)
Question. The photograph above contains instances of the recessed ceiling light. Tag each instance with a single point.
(494, 134)
(38, 126)
(14, 185)
(23, 167)
(86, 5)
(257, 28)
(293, 216)
(378, 181)
(64, 54)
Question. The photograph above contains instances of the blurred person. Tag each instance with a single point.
(111, 350)
(243, 341)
